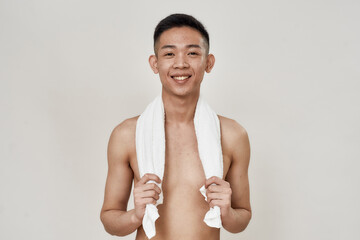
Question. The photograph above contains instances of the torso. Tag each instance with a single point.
(183, 208)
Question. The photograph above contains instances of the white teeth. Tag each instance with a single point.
(181, 78)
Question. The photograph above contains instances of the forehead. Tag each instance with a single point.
(179, 36)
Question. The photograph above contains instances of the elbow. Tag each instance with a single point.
(111, 231)
(247, 221)
(249, 215)
(242, 224)
(105, 221)
(110, 228)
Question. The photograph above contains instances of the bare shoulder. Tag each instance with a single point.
(126, 128)
(235, 138)
(120, 175)
(121, 143)
(232, 130)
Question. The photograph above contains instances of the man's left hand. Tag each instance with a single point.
(218, 193)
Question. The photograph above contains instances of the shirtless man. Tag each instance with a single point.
(181, 57)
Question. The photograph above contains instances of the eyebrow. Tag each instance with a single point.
(187, 46)
(168, 46)
(193, 46)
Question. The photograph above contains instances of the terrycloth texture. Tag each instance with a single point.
(150, 150)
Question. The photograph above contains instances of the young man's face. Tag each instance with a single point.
(181, 60)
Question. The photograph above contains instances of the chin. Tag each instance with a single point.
(180, 92)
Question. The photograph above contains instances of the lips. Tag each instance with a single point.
(181, 78)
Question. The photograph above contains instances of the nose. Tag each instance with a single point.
(180, 61)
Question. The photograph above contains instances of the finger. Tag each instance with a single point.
(216, 180)
(148, 194)
(149, 176)
(214, 196)
(215, 202)
(141, 202)
(147, 187)
(148, 200)
(215, 188)
(150, 186)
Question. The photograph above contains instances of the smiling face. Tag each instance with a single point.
(181, 61)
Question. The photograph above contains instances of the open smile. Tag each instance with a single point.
(180, 78)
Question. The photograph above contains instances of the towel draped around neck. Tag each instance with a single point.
(150, 151)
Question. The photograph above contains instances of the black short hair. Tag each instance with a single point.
(180, 20)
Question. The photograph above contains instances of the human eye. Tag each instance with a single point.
(168, 54)
(193, 53)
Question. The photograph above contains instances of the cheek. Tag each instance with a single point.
(199, 64)
(199, 68)
(163, 68)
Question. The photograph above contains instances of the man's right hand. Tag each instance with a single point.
(145, 193)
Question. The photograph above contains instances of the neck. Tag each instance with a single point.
(179, 110)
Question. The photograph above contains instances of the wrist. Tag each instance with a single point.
(134, 219)
(228, 214)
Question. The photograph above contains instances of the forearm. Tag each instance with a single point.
(120, 223)
(236, 220)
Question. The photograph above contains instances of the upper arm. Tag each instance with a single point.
(237, 175)
(120, 174)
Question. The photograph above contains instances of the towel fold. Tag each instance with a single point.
(150, 151)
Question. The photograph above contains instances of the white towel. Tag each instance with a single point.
(150, 151)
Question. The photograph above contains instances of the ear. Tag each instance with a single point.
(153, 63)
(210, 63)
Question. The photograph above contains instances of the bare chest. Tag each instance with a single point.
(182, 165)
(182, 160)
(183, 177)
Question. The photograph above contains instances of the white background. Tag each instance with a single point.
(288, 71)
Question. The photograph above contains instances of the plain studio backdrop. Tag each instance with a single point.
(288, 71)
